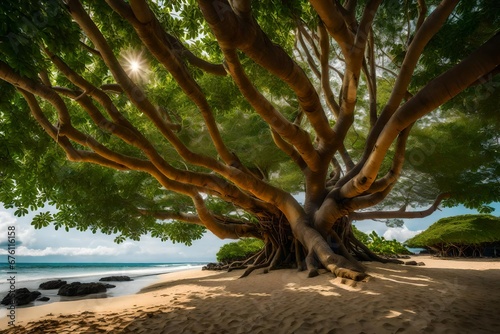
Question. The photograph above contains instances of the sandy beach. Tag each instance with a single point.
(444, 296)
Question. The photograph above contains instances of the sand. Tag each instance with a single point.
(444, 296)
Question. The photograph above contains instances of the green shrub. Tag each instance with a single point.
(240, 250)
(380, 245)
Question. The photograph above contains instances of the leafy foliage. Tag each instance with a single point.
(240, 250)
(380, 245)
(462, 157)
(464, 230)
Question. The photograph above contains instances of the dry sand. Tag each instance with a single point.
(444, 296)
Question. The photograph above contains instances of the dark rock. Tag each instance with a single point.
(20, 296)
(43, 299)
(35, 294)
(115, 279)
(411, 263)
(80, 289)
(109, 286)
(212, 266)
(420, 264)
(52, 285)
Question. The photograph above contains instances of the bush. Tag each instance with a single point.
(380, 245)
(240, 250)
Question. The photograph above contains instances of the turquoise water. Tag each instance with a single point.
(30, 275)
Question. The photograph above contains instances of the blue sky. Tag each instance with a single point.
(49, 245)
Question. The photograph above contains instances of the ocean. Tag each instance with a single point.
(31, 275)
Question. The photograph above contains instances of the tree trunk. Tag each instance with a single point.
(300, 245)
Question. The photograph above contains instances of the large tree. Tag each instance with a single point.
(181, 116)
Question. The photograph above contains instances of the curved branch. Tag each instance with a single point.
(234, 171)
(434, 94)
(71, 153)
(422, 12)
(91, 50)
(227, 223)
(221, 230)
(397, 164)
(309, 58)
(309, 35)
(428, 29)
(165, 49)
(331, 14)
(369, 69)
(135, 94)
(324, 43)
(399, 213)
(246, 35)
(287, 130)
(288, 149)
(207, 182)
(139, 12)
(112, 88)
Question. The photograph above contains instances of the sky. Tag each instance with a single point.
(49, 245)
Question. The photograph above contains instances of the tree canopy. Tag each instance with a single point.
(177, 117)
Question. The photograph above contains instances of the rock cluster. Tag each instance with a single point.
(81, 289)
(24, 296)
(20, 297)
(414, 263)
(214, 266)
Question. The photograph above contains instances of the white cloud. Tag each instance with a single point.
(401, 234)
(25, 235)
(70, 251)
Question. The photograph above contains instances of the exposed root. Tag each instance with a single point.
(350, 274)
(345, 252)
(313, 272)
(301, 266)
(311, 265)
(252, 268)
(283, 250)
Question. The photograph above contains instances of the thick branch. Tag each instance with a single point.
(428, 29)
(331, 14)
(134, 93)
(434, 94)
(164, 47)
(397, 164)
(240, 176)
(287, 130)
(422, 12)
(63, 142)
(288, 149)
(245, 34)
(399, 213)
(354, 61)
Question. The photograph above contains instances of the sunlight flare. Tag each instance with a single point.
(135, 65)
